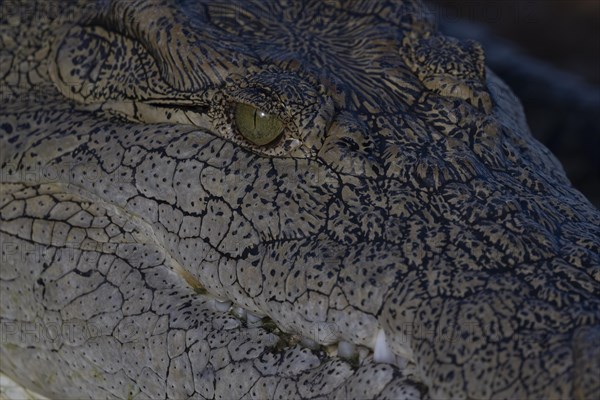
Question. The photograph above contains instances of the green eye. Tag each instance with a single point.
(257, 126)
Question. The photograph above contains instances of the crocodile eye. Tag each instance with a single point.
(257, 126)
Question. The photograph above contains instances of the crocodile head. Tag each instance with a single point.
(283, 200)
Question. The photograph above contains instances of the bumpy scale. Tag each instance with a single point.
(400, 235)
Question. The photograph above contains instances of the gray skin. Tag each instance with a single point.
(405, 196)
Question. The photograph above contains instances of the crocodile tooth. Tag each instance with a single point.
(309, 343)
(401, 362)
(239, 312)
(253, 319)
(381, 351)
(346, 349)
(363, 353)
(222, 305)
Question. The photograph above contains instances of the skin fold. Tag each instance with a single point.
(405, 202)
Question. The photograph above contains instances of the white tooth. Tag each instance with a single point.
(311, 344)
(363, 353)
(253, 319)
(401, 362)
(239, 312)
(222, 306)
(332, 350)
(382, 352)
(346, 349)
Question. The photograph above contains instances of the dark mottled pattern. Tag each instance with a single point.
(406, 195)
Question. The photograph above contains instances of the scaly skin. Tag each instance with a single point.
(406, 196)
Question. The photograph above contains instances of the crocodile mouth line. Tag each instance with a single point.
(355, 354)
(352, 353)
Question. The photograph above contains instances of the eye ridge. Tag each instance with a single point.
(257, 126)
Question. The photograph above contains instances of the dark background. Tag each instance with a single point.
(565, 33)
(548, 51)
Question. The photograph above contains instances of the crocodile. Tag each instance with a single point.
(281, 199)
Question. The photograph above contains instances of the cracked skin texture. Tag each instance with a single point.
(405, 194)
